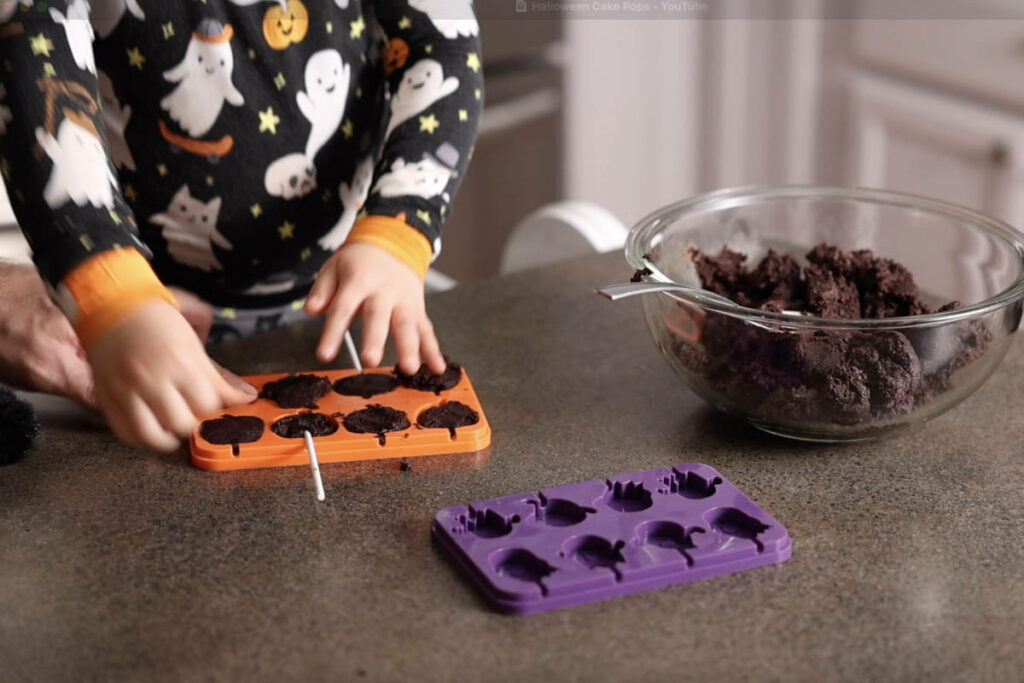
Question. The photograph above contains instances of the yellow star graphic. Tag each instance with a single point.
(287, 230)
(252, 53)
(269, 121)
(168, 30)
(41, 45)
(256, 210)
(362, 214)
(86, 242)
(135, 58)
(209, 180)
(114, 217)
(356, 27)
(161, 169)
(228, 313)
(298, 303)
(329, 26)
(429, 49)
(348, 128)
(473, 61)
(305, 253)
(359, 93)
(423, 216)
(49, 70)
(129, 193)
(463, 115)
(429, 124)
(477, 93)
(404, 23)
(279, 81)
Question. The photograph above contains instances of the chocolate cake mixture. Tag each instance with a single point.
(448, 416)
(376, 419)
(366, 385)
(232, 429)
(293, 426)
(297, 391)
(425, 380)
(837, 376)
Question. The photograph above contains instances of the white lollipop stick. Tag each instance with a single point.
(314, 464)
(353, 354)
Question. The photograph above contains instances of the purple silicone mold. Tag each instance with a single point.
(532, 552)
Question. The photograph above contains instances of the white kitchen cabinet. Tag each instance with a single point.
(908, 138)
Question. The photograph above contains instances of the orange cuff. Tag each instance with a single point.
(101, 291)
(393, 234)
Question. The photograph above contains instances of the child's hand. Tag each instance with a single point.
(362, 278)
(153, 378)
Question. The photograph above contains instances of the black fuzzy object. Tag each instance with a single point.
(18, 427)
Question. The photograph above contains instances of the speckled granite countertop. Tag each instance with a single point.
(908, 558)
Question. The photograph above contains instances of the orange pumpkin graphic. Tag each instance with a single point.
(395, 55)
(284, 26)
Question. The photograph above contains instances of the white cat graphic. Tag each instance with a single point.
(79, 33)
(204, 80)
(453, 18)
(190, 228)
(323, 100)
(293, 175)
(116, 120)
(426, 178)
(352, 199)
(424, 83)
(107, 14)
(81, 171)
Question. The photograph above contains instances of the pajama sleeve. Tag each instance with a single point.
(431, 59)
(55, 163)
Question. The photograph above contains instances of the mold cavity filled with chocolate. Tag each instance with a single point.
(448, 415)
(366, 385)
(232, 429)
(425, 380)
(293, 426)
(376, 419)
(296, 391)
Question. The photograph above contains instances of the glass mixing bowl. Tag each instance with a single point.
(833, 379)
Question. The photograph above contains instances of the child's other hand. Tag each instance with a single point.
(153, 378)
(365, 279)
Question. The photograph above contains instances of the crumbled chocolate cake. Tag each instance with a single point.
(837, 376)
(425, 380)
(232, 429)
(366, 385)
(376, 419)
(448, 416)
(293, 426)
(297, 391)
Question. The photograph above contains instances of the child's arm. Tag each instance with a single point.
(432, 65)
(54, 159)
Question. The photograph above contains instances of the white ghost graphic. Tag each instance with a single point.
(423, 84)
(79, 33)
(452, 18)
(115, 118)
(81, 171)
(107, 14)
(247, 3)
(352, 199)
(342, 4)
(323, 100)
(190, 228)
(204, 80)
(293, 175)
(426, 178)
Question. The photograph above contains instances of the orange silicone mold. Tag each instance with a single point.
(272, 450)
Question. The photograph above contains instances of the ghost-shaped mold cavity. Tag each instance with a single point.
(735, 522)
(689, 484)
(522, 565)
(595, 551)
(663, 534)
(561, 512)
(488, 523)
(627, 496)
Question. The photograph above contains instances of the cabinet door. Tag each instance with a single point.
(913, 140)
